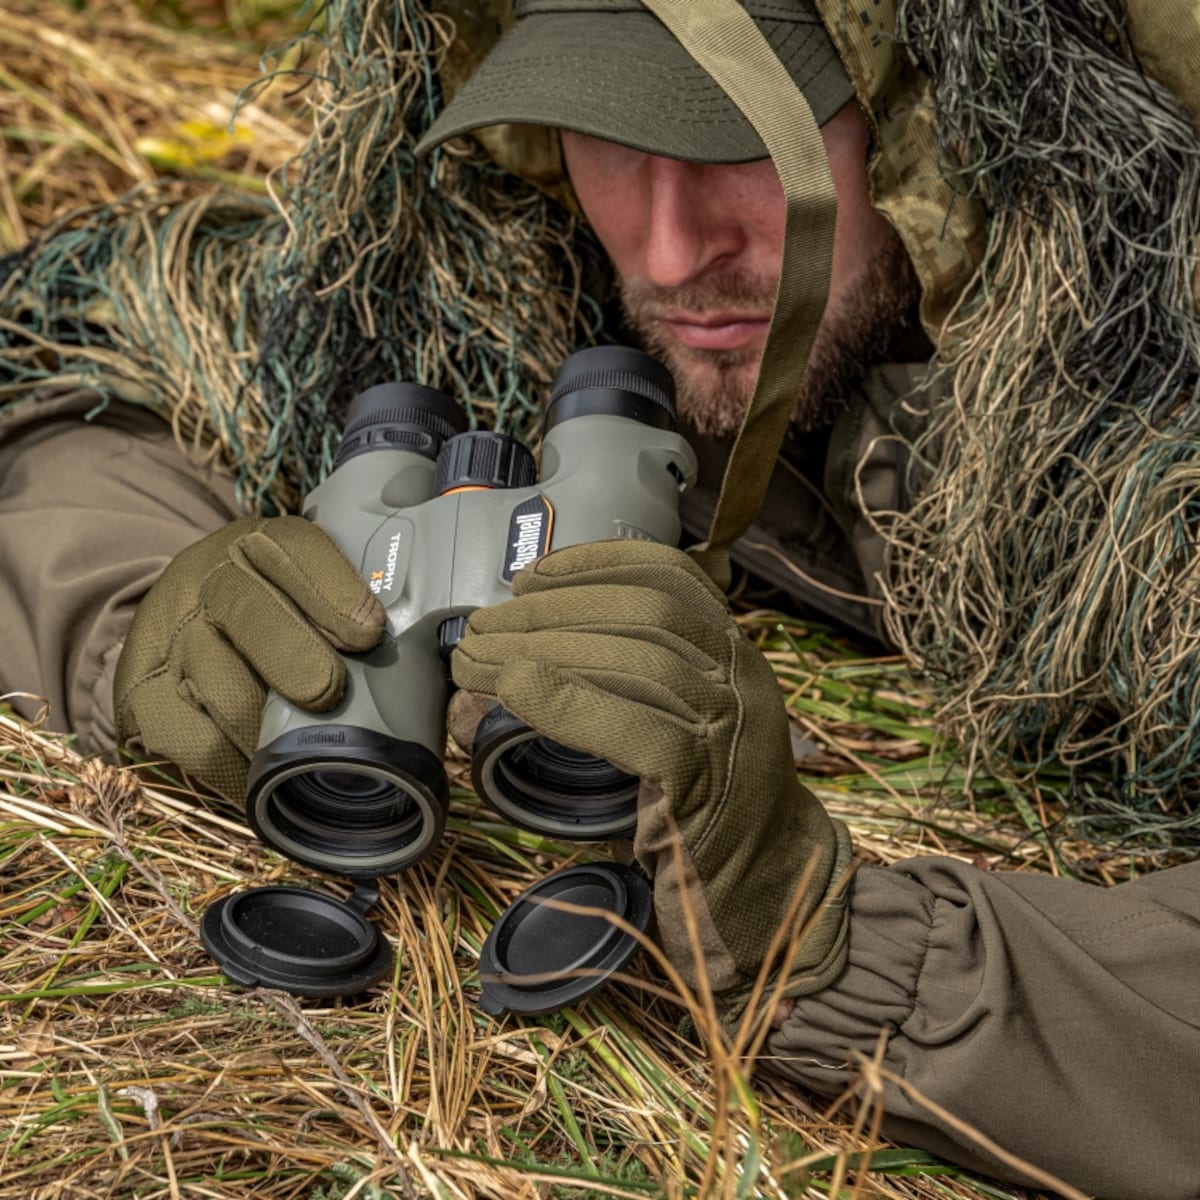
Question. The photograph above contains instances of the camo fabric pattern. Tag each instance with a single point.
(942, 232)
(1166, 35)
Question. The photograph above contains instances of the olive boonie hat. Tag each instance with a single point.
(611, 69)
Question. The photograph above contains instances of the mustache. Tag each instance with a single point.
(737, 291)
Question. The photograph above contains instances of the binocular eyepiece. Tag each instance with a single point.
(439, 518)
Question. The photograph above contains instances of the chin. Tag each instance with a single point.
(713, 400)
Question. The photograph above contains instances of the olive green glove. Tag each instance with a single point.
(263, 603)
(625, 650)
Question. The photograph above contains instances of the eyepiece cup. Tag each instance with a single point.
(400, 416)
(612, 381)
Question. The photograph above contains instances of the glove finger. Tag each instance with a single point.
(267, 629)
(645, 564)
(642, 613)
(463, 714)
(168, 723)
(641, 739)
(307, 565)
(223, 684)
(625, 668)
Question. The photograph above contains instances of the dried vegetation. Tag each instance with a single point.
(129, 1067)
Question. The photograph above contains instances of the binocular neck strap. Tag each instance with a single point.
(722, 37)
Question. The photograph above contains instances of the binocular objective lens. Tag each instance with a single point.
(544, 786)
(348, 785)
(369, 806)
(361, 812)
(550, 770)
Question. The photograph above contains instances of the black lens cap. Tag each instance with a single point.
(297, 940)
(540, 957)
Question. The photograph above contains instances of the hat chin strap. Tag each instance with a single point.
(721, 36)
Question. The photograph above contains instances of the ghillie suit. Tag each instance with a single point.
(1044, 185)
(1048, 579)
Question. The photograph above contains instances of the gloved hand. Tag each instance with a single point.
(263, 603)
(625, 650)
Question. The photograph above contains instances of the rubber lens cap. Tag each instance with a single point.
(296, 940)
(540, 957)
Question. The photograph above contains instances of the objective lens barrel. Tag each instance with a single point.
(546, 787)
(346, 799)
(539, 784)
(361, 791)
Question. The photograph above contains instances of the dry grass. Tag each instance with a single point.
(128, 1067)
(97, 101)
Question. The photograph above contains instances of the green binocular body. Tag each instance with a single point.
(439, 519)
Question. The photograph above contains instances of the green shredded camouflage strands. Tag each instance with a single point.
(1048, 580)
(253, 324)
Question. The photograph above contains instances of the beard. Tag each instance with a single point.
(714, 387)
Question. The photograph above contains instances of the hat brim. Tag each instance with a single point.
(625, 78)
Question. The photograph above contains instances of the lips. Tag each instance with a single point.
(717, 331)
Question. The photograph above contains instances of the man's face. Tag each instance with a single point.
(696, 248)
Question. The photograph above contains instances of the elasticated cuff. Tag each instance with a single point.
(891, 918)
(1058, 1019)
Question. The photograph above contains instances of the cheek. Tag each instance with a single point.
(758, 201)
(861, 231)
(611, 217)
(861, 234)
(607, 186)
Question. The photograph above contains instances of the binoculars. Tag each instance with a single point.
(439, 519)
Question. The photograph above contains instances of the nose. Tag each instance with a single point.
(689, 231)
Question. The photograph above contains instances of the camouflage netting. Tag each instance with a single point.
(1048, 581)
(255, 322)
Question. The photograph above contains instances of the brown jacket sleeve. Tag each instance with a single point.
(1060, 1019)
(90, 513)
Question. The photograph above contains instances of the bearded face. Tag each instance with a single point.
(697, 246)
(714, 386)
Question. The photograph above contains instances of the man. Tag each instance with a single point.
(1060, 1020)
